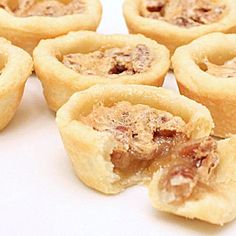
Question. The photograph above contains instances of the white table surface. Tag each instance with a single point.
(40, 194)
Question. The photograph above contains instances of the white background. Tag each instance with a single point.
(40, 194)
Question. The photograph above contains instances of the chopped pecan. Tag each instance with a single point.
(155, 6)
(141, 58)
(191, 163)
(142, 133)
(113, 61)
(51, 8)
(184, 13)
(179, 182)
(122, 128)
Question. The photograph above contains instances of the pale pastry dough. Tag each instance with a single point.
(16, 66)
(171, 34)
(197, 81)
(26, 32)
(216, 204)
(60, 81)
(90, 150)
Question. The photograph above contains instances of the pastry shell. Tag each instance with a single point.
(16, 67)
(90, 150)
(26, 32)
(171, 35)
(217, 205)
(218, 94)
(59, 82)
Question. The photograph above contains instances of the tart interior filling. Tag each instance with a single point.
(112, 62)
(227, 70)
(141, 134)
(53, 8)
(184, 13)
(189, 171)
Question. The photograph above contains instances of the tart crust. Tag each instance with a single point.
(216, 93)
(217, 205)
(16, 67)
(171, 35)
(26, 32)
(90, 150)
(60, 82)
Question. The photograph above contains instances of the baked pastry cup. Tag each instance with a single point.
(60, 82)
(26, 32)
(16, 66)
(97, 159)
(217, 93)
(213, 202)
(173, 35)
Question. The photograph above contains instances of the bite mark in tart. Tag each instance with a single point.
(198, 182)
(142, 134)
(205, 71)
(114, 61)
(26, 22)
(184, 13)
(53, 8)
(116, 135)
(79, 60)
(15, 68)
(178, 22)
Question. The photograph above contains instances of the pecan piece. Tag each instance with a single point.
(178, 183)
(193, 162)
(155, 5)
(141, 58)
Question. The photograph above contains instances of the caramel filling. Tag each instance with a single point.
(53, 8)
(112, 62)
(189, 169)
(227, 70)
(184, 13)
(141, 134)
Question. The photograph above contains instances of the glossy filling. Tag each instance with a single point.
(53, 8)
(113, 62)
(227, 70)
(188, 171)
(141, 134)
(184, 13)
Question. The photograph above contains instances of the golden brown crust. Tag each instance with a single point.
(26, 32)
(60, 82)
(90, 150)
(171, 35)
(215, 205)
(216, 93)
(16, 67)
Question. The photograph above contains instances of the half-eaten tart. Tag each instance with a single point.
(116, 134)
(206, 72)
(178, 22)
(198, 181)
(26, 22)
(82, 59)
(15, 67)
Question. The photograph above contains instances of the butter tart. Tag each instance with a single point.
(15, 67)
(115, 135)
(82, 59)
(206, 72)
(198, 182)
(26, 22)
(178, 22)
